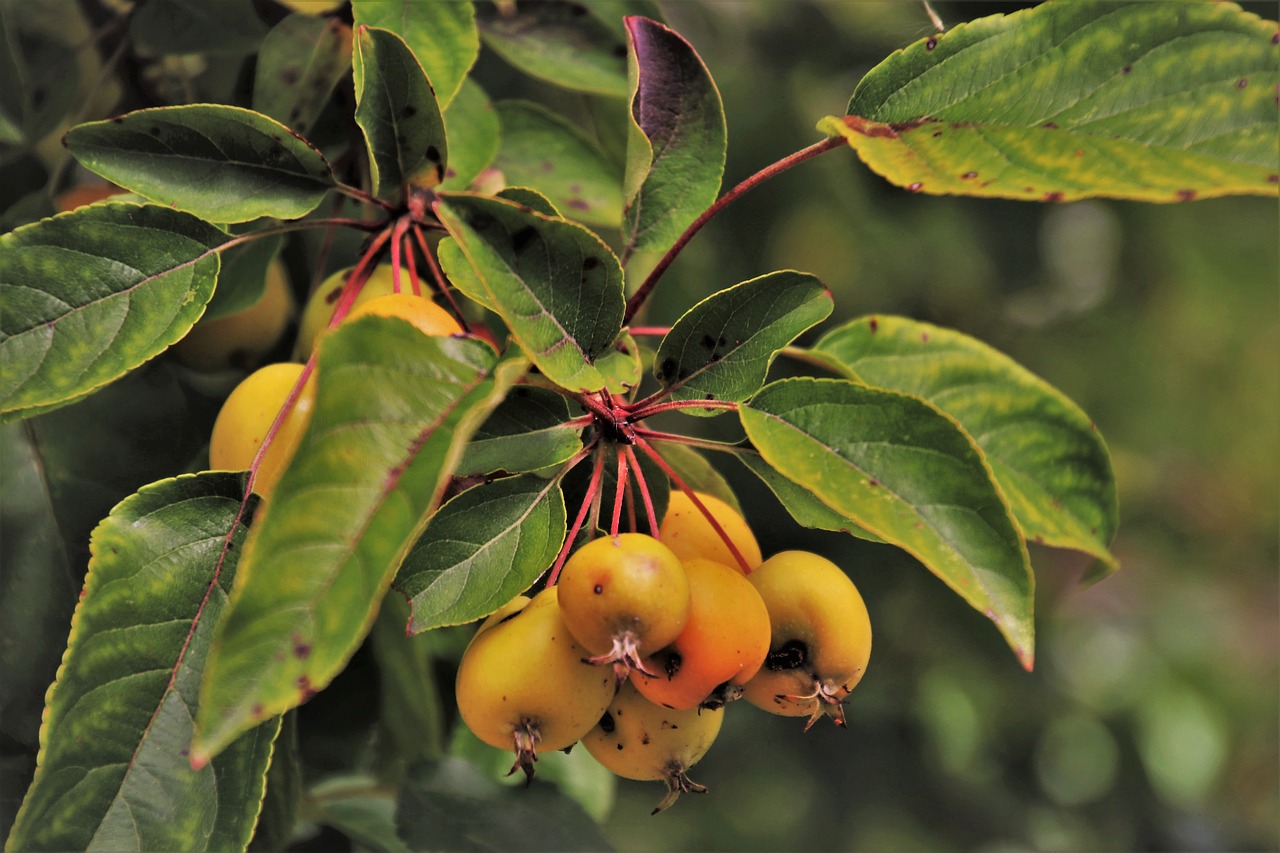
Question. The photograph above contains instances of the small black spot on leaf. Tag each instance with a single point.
(522, 238)
(931, 43)
(590, 262)
(433, 154)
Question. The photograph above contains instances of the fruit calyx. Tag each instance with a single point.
(526, 738)
(677, 783)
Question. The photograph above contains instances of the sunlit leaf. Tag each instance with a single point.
(1148, 101)
(546, 152)
(480, 549)
(722, 347)
(800, 503)
(471, 126)
(908, 474)
(113, 768)
(450, 805)
(526, 432)
(393, 408)
(676, 141)
(299, 63)
(441, 35)
(398, 114)
(222, 163)
(90, 295)
(557, 286)
(557, 41)
(242, 278)
(1045, 453)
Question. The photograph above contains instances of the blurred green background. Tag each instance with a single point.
(1151, 719)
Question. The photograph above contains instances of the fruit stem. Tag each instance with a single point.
(359, 275)
(360, 195)
(638, 298)
(442, 283)
(697, 502)
(647, 409)
(409, 254)
(647, 331)
(397, 233)
(644, 492)
(618, 493)
(688, 441)
(593, 488)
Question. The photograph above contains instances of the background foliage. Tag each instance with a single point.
(1150, 721)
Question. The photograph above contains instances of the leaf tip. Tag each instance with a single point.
(198, 760)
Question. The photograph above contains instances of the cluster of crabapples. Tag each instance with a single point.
(640, 642)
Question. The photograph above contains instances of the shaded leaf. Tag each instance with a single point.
(471, 126)
(908, 474)
(275, 826)
(449, 805)
(480, 549)
(557, 286)
(697, 473)
(242, 278)
(166, 27)
(1045, 453)
(526, 432)
(222, 163)
(800, 503)
(393, 408)
(90, 295)
(676, 141)
(722, 347)
(398, 114)
(299, 64)
(411, 714)
(559, 42)
(442, 36)
(545, 151)
(113, 769)
(1147, 101)
(37, 587)
(361, 809)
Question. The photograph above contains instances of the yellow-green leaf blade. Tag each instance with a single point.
(909, 474)
(393, 408)
(92, 294)
(1147, 101)
(113, 772)
(442, 36)
(1044, 451)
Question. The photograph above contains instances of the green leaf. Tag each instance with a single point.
(222, 163)
(392, 411)
(113, 771)
(37, 587)
(442, 36)
(722, 347)
(92, 294)
(556, 42)
(300, 63)
(530, 198)
(697, 473)
(1045, 453)
(168, 27)
(360, 808)
(622, 365)
(557, 286)
(526, 432)
(471, 126)
(411, 714)
(800, 503)
(1146, 101)
(906, 473)
(450, 805)
(545, 151)
(242, 279)
(398, 114)
(483, 547)
(279, 815)
(676, 139)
